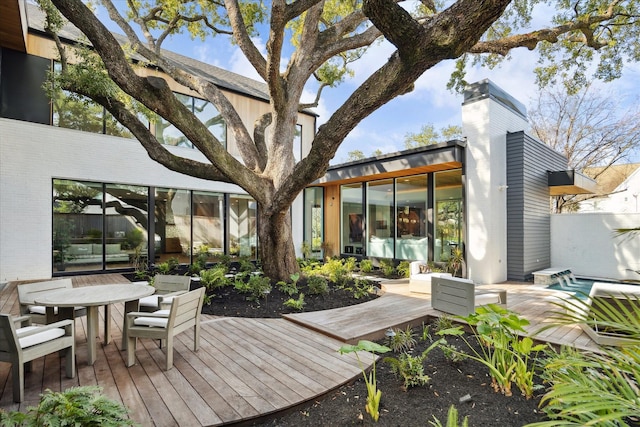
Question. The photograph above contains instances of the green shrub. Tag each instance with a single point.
(336, 271)
(402, 340)
(257, 287)
(167, 266)
(404, 269)
(317, 285)
(361, 288)
(77, 406)
(452, 419)
(296, 304)
(287, 288)
(502, 351)
(386, 265)
(214, 278)
(411, 368)
(366, 266)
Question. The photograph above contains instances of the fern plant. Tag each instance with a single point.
(77, 406)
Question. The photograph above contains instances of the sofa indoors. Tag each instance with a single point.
(420, 277)
(89, 253)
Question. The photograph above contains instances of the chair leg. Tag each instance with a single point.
(17, 372)
(169, 352)
(196, 337)
(132, 342)
(70, 361)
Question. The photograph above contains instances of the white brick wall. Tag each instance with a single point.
(31, 155)
(485, 123)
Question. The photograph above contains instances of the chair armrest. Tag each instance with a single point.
(131, 317)
(66, 324)
(170, 294)
(134, 314)
(22, 320)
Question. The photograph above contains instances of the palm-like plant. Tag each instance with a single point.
(595, 388)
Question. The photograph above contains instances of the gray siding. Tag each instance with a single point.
(528, 204)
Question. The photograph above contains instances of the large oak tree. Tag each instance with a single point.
(327, 36)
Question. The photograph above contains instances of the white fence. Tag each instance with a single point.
(587, 243)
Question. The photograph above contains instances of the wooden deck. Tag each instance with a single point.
(245, 368)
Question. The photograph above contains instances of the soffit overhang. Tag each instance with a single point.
(569, 182)
(431, 158)
(13, 25)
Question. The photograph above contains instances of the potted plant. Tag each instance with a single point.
(62, 229)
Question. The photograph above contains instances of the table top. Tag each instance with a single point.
(94, 295)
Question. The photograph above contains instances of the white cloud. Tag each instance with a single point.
(238, 63)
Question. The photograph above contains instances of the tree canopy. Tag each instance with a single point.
(326, 36)
(590, 128)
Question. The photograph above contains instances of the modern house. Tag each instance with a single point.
(618, 190)
(79, 195)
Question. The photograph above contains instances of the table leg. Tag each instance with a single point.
(107, 324)
(129, 306)
(92, 325)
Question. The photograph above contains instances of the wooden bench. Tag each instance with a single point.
(458, 296)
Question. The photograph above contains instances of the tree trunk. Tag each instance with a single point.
(276, 250)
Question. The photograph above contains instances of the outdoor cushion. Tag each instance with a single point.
(150, 301)
(157, 322)
(41, 309)
(424, 268)
(48, 335)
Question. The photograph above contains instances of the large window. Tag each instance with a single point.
(208, 223)
(173, 224)
(168, 134)
(411, 218)
(448, 213)
(98, 226)
(73, 111)
(77, 225)
(314, 220)
(126, 221)
(380, 219)
(352, 214)
(243, 230)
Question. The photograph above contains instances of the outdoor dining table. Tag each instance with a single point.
(93, 297)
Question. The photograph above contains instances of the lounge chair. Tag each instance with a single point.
(610, 303)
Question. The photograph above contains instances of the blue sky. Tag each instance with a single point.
(429, 103)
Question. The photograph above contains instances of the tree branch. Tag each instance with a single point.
(244, 41)
(583, 25)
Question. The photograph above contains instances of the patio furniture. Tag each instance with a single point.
(19, 346)
(420, 277)
(459, 296)
(614, 296)
(92, 297)
(28, 292)
(166, 287)
(165, 324)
